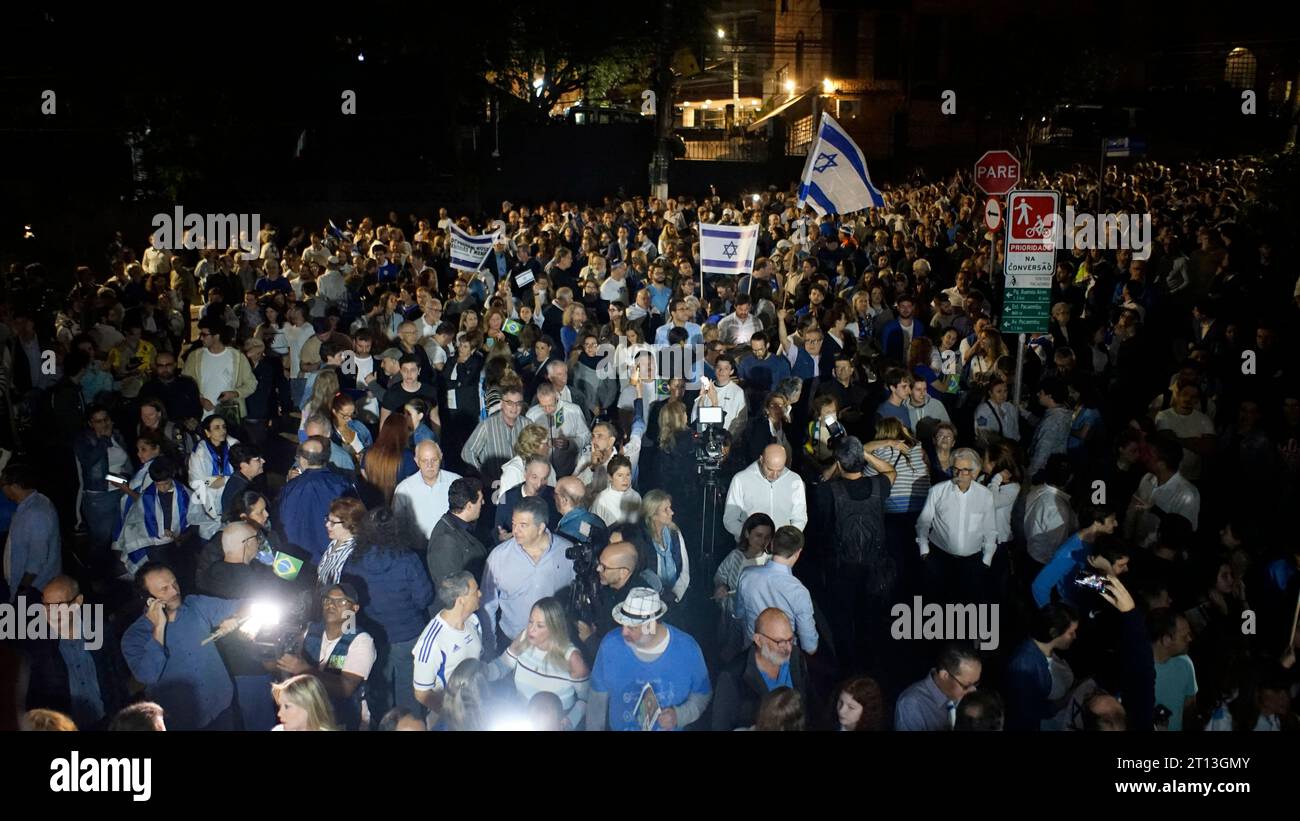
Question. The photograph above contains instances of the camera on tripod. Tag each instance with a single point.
(586, 581)
(710, 439)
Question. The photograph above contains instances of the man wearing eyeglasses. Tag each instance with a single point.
(618, 565)
(959, 519)
(492, 443)
(931, 703)
(771, 662)
(337, 653)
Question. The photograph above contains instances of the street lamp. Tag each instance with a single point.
(789, 86)
(722, 34)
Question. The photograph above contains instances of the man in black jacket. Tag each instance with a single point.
(178, 393)
(71, 672)
(770, 663)
(452, 544)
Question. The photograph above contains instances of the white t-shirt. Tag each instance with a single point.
(218, 374)
(441, 647)
(614, 290)
(361, 654)
(297, 336)
(1190, 426)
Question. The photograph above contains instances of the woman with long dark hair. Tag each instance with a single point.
(210, 468)
(393, 583)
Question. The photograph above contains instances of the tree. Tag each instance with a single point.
(594, 48)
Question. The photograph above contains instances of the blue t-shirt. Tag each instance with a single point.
(1088, 416)
(782, 678)
(675, 675)
(660, 296)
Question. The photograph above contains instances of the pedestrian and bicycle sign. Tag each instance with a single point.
(1032, 226)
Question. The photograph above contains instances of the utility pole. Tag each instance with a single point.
(663, 86)
(735, 65)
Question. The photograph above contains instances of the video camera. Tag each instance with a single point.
(710, 439)
(275, 626)
(586, 581)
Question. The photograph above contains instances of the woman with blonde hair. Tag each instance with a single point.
(466, 704)
(988, 350)
(303, 704)
(533, 441)
(670, 559)
(543, 659)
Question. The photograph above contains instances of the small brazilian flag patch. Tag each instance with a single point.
(512, 327)
(286, 566)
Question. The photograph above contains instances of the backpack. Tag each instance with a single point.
(860, 537)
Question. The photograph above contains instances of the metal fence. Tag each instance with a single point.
(729, 149)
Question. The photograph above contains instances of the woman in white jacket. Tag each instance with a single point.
(618, 504)
(210, 468)
(671, 560)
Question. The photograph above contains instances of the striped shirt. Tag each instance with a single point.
(492, 444)
(441, 647)
(912, 484)
(331, 564)
(536, 672)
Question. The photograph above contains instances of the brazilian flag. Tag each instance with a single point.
(512, 327)
(286, 567)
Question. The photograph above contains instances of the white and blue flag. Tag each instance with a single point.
(469, 251)
(727, 249)
(835, 178)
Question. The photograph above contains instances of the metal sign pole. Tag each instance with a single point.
(1020, 369)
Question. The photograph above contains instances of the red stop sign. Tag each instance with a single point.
(997, 172)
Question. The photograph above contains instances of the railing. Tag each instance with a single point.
(729, 149)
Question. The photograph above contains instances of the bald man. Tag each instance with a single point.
(73, 671)
(318, 424)
(767, 486)
(1102, 712)
(770, 662)
(576, 521)
(617, 570)
(422, 497)
(305, 500)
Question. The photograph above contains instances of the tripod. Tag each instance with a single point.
(708, 517)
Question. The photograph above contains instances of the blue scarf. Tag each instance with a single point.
(220, 460)
(149, 503)
(667, 565)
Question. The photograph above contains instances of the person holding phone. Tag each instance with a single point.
(101, 451)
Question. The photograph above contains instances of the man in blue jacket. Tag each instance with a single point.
(1085, 550)
(1029, 676)
(305, 500)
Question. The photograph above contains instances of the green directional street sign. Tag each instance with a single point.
(1026, 310)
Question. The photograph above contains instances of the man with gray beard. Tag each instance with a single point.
(771, 662)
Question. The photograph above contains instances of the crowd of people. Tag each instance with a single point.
(584, 487)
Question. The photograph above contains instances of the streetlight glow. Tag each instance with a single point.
(722, 34)
(789, 86)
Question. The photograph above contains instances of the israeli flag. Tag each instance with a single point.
(727, 249)
(469, 251)
(835, 178)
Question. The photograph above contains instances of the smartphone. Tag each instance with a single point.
(1093, 582)
(117, 480)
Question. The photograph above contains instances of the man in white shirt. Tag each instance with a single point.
(766, 486)
(342, 671)
(723, 393)
(1195, 430)
(316, 252)
(568, 427)
(614, 289)
(737, 327)
(331, 286)
(455, 634)
(1049, 519)
(223, 374)
(1162, 492)
(423, 496)
(959, 518)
